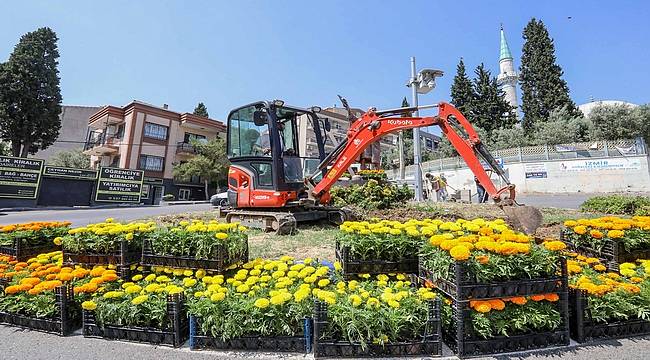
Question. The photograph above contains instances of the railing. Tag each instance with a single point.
(582, 150)
(183, 147)
(98, 138)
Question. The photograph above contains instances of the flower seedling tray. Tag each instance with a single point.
(219, 263)
(462, 285)
(428, 345)
(22, 251)
(612, 254)
(175, 335)
(464, 343)
(584, 328)
(352, 266)
(122, 256)
(67, 320)
(296, 344)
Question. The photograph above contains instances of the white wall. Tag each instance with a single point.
(612, 174)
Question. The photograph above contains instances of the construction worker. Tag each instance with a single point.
(442, 188)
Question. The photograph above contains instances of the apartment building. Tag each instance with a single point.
(74, 125)
(150, 138)
(339, 123)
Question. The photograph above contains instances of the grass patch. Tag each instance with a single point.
(317, 241)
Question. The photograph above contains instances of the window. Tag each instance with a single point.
(115, 162)
(189, 137)
(184, 194)
(245, 137)
(155, 131)
(151, 163)
(264, 174)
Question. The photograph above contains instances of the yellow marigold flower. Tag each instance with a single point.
(89, 305)
(137, 277)
(139, 299)
(217, 296)
(580, 229)
(58, 240)
(570, 223)
(150, 277)
(221, 236)
(615, 234)
(133, 289)
(262, 303)
(243, 288)
(554, 245)
(600, 267)
(459, 253)
(373, 303)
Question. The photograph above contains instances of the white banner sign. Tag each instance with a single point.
(602, 164)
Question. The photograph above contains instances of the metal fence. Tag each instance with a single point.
(578, 150)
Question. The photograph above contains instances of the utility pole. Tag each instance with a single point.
(400, 147)
(416, 133)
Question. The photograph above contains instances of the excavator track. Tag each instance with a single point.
(285, 222)
(281, 223)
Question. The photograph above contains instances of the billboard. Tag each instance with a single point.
(119, 185)
(70, 173)
(20, 177)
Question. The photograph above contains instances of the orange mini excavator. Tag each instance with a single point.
(273, 184)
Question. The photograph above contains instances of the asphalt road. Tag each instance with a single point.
(80, 217)
(17, 344)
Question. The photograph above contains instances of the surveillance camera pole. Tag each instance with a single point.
(416, 134)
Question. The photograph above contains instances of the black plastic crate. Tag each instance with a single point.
(123, 256)
(584, 328)
(462, 340)
(352, 266)
(219, 262)
(175, 335)
(67, 320)
(22, 251)
(612, 254)
(462, 285)
(297, 344)
(428, 345)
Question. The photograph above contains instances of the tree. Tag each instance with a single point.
(490, 110)
(74, 158)
(613, 122)
(30, 96)
(5, 149)
(201, 110)
(542, 86)
(210, 163)
(462, 91)
(561, 127)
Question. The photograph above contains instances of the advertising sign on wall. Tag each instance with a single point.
(20, 177)
(71, 173)
(119, 185)
(535, 171)
(601, 164)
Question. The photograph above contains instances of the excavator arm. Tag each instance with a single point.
(372, 125)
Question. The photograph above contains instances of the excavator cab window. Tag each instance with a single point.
(249, 132)
(288, 130)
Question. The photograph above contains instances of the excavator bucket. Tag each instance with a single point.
(523, 218)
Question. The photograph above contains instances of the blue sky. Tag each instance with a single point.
(228, 53)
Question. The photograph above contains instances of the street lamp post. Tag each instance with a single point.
(416, 134)
(420, 83)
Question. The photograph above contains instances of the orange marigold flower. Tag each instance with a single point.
(497, 304)
(537, 297)
(580, 229)
(483, 259)
(600, 267)
(552, 297)
(519, 300)
(13, 289)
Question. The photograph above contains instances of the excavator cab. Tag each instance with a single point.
(268, 163)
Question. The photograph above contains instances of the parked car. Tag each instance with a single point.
(220, 199)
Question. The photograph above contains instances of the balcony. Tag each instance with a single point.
(183, 148)
(99, 143)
